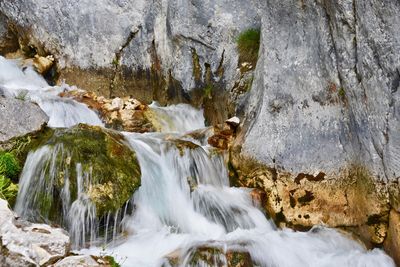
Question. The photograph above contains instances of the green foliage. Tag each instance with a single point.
(8, 190)
(112, 261)
(9, 165)
(9, 168)
(248, 44)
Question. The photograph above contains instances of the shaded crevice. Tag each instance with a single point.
(117, 59)
(197, 41)
(332, 37)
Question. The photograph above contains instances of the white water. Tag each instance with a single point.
(166, 216)
(27, 84)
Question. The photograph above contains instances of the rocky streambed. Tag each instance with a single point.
(311, 92)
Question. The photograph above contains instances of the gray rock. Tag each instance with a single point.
(94, 34)
(77, 261)
(26, 244)
(8, 41)
(19, 117)
(326, 88)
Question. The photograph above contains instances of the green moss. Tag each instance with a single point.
(208, 255)
(111, 261)
(248, 44)
(208, 91)
(341, 93)
(114, 167)
(196, 66)
(115, 62)
(9, 168)
(20, 146)
(115, 171)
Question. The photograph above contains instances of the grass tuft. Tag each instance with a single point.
(248, 44)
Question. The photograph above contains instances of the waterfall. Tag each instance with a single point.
(184, 201)
(171, 216)
(25, 83)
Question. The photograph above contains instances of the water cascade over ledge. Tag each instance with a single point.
(184, 205)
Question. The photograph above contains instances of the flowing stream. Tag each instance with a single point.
(184, 201)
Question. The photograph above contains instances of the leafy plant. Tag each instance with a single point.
(112, 261)
(9, 166)
(8, 190)
(248, 44)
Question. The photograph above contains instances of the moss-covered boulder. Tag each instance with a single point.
(87, 160)
(210, 256)
(115, 171)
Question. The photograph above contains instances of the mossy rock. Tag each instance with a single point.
(20, 146)
(112, 165)
(214, 256)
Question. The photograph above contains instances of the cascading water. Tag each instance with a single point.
(27, 84)
(184, 201)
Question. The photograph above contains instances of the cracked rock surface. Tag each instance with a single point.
(26, 244)
(22, 117)
(326, 88)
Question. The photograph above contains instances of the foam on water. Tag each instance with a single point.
(178, 118)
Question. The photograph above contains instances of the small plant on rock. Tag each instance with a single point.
(9, 168)
(9, 165)
(248, 44)
(8, 190)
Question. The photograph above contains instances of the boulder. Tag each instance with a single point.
(89, 160)
(78, 261)
(210, 256)
(26, 244)
(314, 105)
(19, 118)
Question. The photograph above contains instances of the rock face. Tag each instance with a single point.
(8, 41)
(159, 50)
(22, 117)
(26, 244)
(326, 88)
(322, 114)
